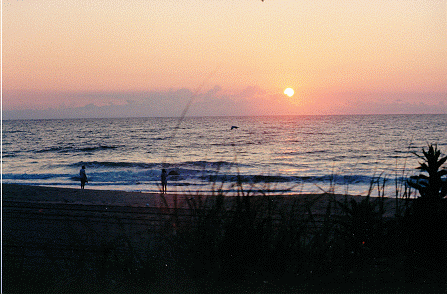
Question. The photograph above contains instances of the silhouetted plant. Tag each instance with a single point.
(433, 185)
(359, 229)
(427, 257)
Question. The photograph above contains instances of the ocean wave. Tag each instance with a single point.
(307, 152)
(194, 180)
(336, 179)
(199, 165)
(63, 149)
(192, 176)
(95, 148)
(205, 163)
(287, 151)
(339, 179)
(249, 178)
(113, 164)
(27, 176)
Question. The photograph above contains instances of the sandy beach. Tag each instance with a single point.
(12, 192)
(42, 194)
(35, 207)
(36, 204)
(44, 227)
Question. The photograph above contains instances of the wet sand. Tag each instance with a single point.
(41, 194)
(14, 192)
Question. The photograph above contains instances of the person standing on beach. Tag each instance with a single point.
(164, 181)
(83, 176)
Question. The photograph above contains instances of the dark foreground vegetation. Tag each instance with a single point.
(256, 243)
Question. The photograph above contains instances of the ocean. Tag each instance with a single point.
(274, 154)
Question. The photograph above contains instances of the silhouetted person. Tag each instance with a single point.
(164, 181)
(83, 176)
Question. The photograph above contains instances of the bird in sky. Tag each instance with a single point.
(234, 127)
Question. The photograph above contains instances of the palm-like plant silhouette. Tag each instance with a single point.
(427, 254)
(433, 186)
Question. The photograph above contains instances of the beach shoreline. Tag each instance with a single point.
(45, 194)
(18, 192)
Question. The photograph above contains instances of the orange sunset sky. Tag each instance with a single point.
(85, 58)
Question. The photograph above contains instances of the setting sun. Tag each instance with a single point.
(289, 92)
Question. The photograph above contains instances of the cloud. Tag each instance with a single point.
(382, 103)
(214, 102)
(170, 103)
(98, 105)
